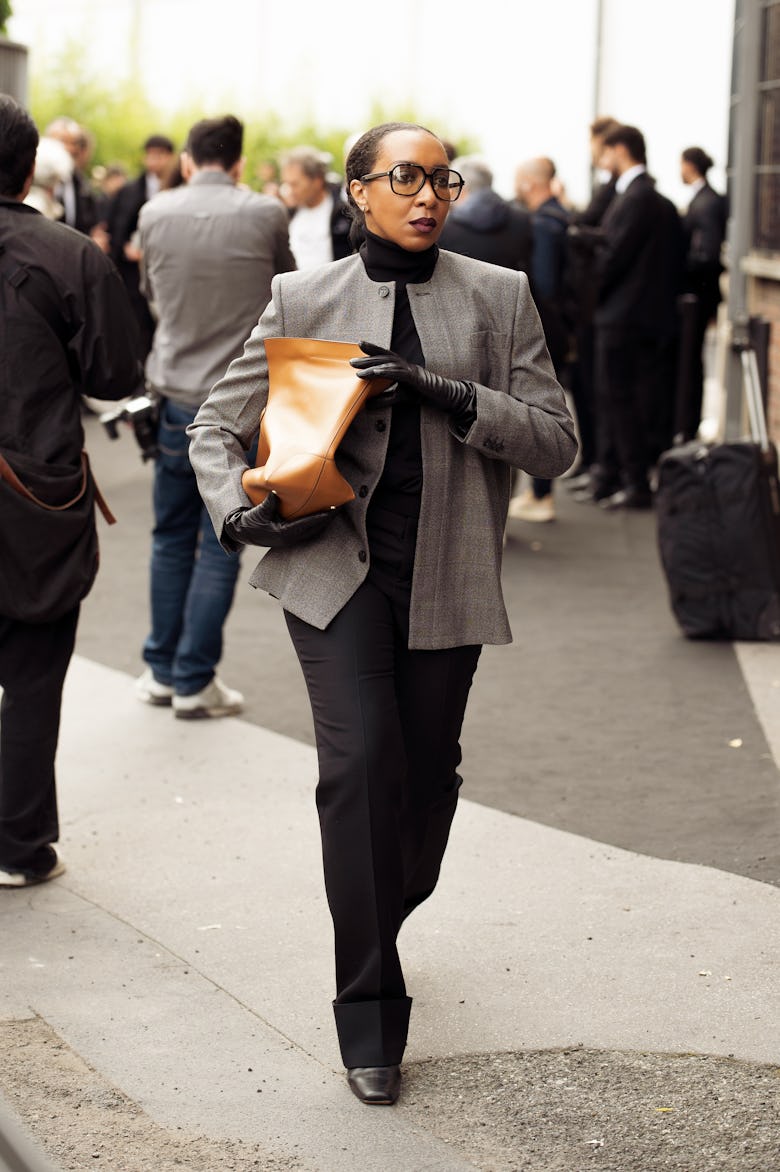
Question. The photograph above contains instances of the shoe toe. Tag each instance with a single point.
(378, 1086)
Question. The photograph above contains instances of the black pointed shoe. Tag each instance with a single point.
(378, 1086)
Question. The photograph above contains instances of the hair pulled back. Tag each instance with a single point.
(698, 158)
(361, 160)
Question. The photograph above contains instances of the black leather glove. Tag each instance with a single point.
(262, 525)
(448, 394)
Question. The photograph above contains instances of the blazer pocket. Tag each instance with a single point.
(486, 358)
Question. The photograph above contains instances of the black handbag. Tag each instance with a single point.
(48, 540)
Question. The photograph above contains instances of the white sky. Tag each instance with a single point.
(518, 76)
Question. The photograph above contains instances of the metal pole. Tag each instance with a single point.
(744, 129)
(598, 58)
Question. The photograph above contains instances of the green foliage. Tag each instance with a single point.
(120, 116)
(6, 11)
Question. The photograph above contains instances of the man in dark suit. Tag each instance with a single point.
(639, 269)
(76, 195)
(579, 297)
(487, 227)
(704, 225)
(122, 222)
(549, 221)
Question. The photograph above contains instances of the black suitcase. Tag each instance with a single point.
(718, 527)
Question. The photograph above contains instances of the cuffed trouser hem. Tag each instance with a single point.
(373, 1033)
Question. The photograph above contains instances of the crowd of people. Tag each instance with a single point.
(480, 312)
(606, 278)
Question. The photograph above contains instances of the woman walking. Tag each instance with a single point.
(390, 598)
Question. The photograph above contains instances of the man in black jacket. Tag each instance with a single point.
(704, 225)
(549, 221)
(66, 328)
(122, 222)
(76, 195)
(639, 272)
(485, 226)
(579, 297)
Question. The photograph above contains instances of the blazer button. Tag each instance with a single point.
(384, 291)
(363, 490)
(362, 555)
(380, 425)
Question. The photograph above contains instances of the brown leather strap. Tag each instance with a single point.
(101, 503)
(7, 473)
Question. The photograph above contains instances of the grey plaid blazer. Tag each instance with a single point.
(476, 322)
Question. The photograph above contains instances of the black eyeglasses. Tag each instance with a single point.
(409, 178)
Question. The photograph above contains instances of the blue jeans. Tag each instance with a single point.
(192, 578)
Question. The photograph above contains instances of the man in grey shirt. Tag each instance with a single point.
(209, 251)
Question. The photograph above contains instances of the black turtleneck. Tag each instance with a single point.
(401, 482)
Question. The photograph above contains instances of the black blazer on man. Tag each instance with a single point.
(123, 217)
(122, 222)
(86, 212)
(639, 269)
(704, 225)
(487, 227)
(340, 224)
(594, 213)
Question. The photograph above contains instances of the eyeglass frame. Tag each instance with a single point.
(427, 177)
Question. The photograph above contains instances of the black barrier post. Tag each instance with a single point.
(687, 399)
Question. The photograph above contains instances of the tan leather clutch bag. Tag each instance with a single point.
(313, 396)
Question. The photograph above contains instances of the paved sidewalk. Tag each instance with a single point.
(183, 966)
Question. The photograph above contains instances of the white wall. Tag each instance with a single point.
(667, 69)
(519, 77)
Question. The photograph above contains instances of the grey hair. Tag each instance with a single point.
(69, 126)
(314, 164)
(53, 164)
(474, 170)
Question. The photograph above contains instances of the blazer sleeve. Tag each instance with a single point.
(228, 422)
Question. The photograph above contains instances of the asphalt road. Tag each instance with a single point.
(600, 719)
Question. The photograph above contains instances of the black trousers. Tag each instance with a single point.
(387, 722)
(583, 392)
(34, 659)
(635, 381)
(691, 361)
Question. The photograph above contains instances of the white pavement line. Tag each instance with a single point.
(760, 665)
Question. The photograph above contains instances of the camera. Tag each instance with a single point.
(143, 415)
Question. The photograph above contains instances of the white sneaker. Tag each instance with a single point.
(151, 691)
(214, 700)
(527, 507)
